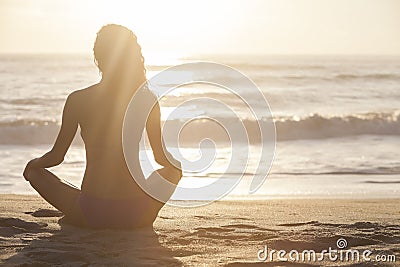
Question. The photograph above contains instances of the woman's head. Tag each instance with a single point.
(118, 55)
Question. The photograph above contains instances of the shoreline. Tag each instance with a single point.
(258, 198)
(327, 186)
(228, 232)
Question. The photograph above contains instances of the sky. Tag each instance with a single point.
(186, 28)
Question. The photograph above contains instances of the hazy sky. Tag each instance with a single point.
(206, 26)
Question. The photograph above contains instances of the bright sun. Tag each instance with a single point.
(161, 23)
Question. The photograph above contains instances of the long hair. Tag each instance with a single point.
(118, 55)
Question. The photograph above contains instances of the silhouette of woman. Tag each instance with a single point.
(109, 196)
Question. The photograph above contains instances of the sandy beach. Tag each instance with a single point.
(222, 233)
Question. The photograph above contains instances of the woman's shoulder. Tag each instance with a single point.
(81, 93)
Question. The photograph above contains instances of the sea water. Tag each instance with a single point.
(337, 121)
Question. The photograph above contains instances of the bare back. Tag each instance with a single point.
(100, 115)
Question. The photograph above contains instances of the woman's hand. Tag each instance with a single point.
(31, 164)
(167, 160)
(175, 164)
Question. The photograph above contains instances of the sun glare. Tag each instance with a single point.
(205, 27)
(160, 23)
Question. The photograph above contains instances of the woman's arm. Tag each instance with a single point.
(65, 136)
(153, 128)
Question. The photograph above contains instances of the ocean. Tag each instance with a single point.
(337, 122)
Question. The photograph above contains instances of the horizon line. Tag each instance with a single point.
(189, 56)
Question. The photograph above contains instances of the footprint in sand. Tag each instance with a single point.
(21, 224)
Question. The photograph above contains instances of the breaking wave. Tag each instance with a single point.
(313, 126)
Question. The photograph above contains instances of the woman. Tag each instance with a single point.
(109, 196)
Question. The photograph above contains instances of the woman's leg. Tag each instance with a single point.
(156, 182)
(62, 196)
